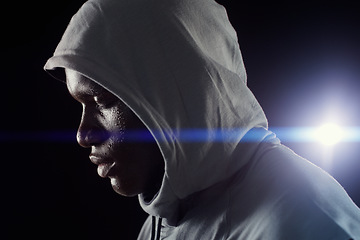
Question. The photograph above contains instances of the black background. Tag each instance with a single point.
(301, 58)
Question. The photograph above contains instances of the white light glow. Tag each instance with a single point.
(329, 134)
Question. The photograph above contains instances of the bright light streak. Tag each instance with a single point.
(329, 134)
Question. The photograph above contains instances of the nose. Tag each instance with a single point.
(90, 131)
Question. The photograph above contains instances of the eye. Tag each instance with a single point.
(105, 102)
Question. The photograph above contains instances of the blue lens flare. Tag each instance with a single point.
(285, 134)
(38, 136)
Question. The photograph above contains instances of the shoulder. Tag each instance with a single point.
(284, 196)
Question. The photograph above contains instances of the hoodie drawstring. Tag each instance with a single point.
(154, 227)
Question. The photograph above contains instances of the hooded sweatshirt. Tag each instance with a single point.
(177, 65)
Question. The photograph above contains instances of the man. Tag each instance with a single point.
(168, 117)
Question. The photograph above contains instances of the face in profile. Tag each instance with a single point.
(133, 167)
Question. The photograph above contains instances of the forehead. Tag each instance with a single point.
(78, 84)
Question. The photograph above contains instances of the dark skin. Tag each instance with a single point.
(134, 167)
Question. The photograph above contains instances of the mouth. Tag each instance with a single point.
(104, 167)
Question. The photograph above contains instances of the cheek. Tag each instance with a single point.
(124, 137)
(130, 142)
(115, 121)
(115, 118)
(128, 126)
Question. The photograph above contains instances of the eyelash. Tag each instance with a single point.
(103, 105)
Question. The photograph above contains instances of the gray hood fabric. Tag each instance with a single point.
(178, 66)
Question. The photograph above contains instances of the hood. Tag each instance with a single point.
(178, 66)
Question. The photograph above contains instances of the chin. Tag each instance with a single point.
(122, 190)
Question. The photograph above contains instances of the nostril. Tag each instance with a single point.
(91, 137)
(83, 139)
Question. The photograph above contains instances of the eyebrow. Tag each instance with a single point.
(88, 88)
(86, 94)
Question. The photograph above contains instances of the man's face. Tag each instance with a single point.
(133, 167)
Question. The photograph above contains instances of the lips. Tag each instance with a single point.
(104, 167)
